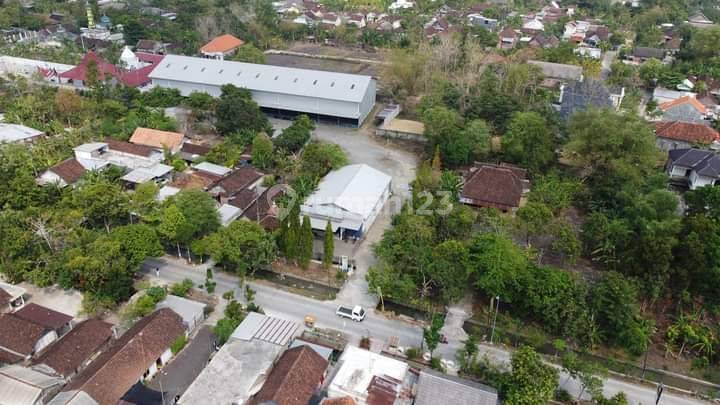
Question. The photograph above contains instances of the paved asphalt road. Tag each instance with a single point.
(290, 306)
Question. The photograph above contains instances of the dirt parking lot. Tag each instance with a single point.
(398, 160)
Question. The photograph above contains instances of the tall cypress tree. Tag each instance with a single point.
(328, 246)
(305, 243)
(289, 233)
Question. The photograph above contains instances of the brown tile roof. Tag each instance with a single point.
(116, 370)
(19, 335)
(243, 199)
(223, 43)
(339, 401)
(70, 170)
(508, 33)
(194, 180)
(74, 349)
(45, 317)
(262, 211)
(686, 131)
(237, 181)
(499, 186)
(194, 149)
(683, 100)
(5, 298)
(157, 139)
(131, 148)
(383, 390)
(294, 378)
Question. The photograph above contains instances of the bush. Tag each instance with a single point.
(157, 293)
(563, 396)
(435, 364)
(413, 353)
(178, 344)
(181, 289)
(228, 295)
(253, 307)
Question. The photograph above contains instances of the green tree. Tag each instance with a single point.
(531, 381)
(294, 137)
(143, 202)
(449, 269)
(262, 151)
(319, 158)
(103, 203)
(250, 54)
(236, 110)
(328, 246)
(172, 226)
(529, 141)
(500, 268)
(614, 302)
(242, 247)
(534, 218)
(201, 216)
(431, 334)
(137, 242)
(306, 243)
(704, 43)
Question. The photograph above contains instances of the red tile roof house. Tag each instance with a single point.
(495, 186)
(20, 339)
(222, 46)
(294, 379)
(136, 356)
(76, 350)
(160, 140)
(46, 317)
(110, 73)
(686, 109)
(672, 135)
(241, 179)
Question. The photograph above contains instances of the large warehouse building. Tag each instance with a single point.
(350, 198)
(340, 97)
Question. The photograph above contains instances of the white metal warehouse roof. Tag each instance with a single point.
(355, 189)
(267, 78)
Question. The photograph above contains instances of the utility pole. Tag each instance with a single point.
(660, 389)
(497, 309)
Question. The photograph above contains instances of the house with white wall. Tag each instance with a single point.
(694, 167)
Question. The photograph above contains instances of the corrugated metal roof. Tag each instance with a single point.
(73, 398)
(212, 168)
(355, 189)
(266, 78)
(15, 132)
(20, 385)
(266, 328)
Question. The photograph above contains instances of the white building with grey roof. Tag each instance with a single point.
(341, 97)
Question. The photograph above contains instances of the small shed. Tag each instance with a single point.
(191, 312)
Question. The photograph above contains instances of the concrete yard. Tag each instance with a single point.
(66, 301)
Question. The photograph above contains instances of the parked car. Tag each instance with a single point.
(356, 313)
